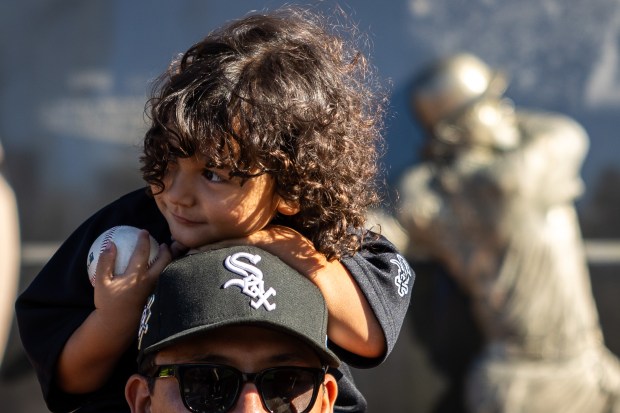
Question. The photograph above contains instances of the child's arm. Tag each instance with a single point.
(353, 324)
(60, 298)
(92, 351)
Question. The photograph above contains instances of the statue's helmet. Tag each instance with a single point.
(450, 85)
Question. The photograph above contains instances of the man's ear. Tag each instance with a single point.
(138, 394)
(330, 392)
(287, 207)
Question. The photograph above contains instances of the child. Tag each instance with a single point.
(264, 133)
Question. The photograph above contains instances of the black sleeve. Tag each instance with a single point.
(60, 297)
(386, 279)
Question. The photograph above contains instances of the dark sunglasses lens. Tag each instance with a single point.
(289, 390)
(209, 389)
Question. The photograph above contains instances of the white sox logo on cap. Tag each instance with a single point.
(144, 321)
(252, 283)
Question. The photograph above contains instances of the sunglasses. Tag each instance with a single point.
(213, 388)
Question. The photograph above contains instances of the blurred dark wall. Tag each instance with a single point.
(74, 77)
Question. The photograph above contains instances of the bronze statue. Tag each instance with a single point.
(493, 202)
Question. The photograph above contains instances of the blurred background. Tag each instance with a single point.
(74, 77)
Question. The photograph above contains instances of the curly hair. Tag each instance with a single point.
(278, 93)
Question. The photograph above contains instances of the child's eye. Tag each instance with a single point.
(212, 176)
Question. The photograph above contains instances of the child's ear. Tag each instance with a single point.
(287, 207)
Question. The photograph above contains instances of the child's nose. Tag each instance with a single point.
(179, 189)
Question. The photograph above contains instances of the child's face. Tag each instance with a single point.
(203, 205)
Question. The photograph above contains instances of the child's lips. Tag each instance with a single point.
(184, 221)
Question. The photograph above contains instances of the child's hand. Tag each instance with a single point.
(177, 249)
(94, 348)
(285, 243)
(124, 295)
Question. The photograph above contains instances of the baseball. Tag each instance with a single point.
(125, 238)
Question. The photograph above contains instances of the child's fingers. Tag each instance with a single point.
(140, 256)
(105, 265)
(164, 257)
(177, 249)
(219, 244)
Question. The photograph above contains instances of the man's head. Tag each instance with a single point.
(233, 329)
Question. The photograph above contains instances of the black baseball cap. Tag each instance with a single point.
(241, 285)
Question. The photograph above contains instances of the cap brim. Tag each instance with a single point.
(327, 357)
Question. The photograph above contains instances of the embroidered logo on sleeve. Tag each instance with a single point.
(252, 283)
(404, 275)
(144, 321)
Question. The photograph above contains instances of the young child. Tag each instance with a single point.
(266, 133)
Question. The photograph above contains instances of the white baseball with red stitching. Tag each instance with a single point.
(125, 238)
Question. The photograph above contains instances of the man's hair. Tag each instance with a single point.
(147, 368)
(278, 93)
